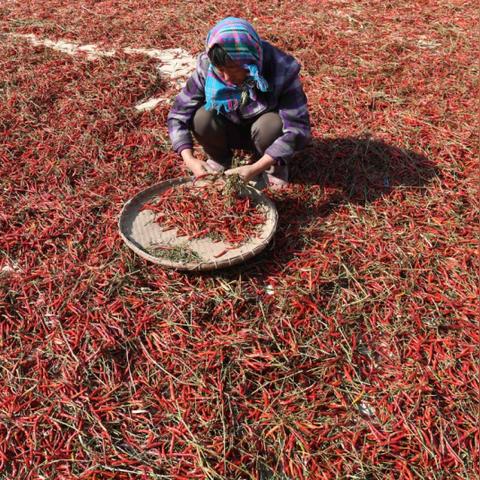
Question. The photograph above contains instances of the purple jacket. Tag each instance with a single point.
(285, 96)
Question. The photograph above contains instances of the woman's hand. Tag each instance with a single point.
(196, 166)
(247, 172)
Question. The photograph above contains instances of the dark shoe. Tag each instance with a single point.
(277, 176)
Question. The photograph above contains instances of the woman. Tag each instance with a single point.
(245, 94)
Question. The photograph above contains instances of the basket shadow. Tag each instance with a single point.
(355, 170)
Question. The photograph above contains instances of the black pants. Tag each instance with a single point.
(218, 136)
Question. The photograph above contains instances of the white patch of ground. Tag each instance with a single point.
(10, 268)
(92, 51)
(150, 104)
(269, 290)
(366, 409)
(424, 42)
(174, 63)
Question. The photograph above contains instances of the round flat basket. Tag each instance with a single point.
(145, 236)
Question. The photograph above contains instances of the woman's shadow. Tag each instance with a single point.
(364, 168)
(350, 170)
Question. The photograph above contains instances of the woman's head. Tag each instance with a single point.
(230, 71)
(232, 45)
(235, 52)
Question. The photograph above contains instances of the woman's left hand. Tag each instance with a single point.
(247, 172)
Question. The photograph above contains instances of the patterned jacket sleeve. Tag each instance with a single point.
(292, 108)
(184, 107)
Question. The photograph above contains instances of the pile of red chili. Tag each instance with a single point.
(349, 350)
(208, 210)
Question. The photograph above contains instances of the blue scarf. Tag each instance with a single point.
(242, 43)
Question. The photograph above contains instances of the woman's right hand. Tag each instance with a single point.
(196, 166)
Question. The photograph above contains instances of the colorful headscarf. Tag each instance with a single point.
(243, 45)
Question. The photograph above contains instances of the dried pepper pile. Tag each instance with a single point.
(210, 209)
(348, 350)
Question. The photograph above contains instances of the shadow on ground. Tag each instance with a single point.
(363, 168)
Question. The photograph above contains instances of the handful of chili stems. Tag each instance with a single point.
(217, 208)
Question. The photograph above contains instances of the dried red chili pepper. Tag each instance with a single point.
(207, 210)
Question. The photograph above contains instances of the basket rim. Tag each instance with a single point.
(128, 213)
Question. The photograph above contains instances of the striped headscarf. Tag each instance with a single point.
(242, 43)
